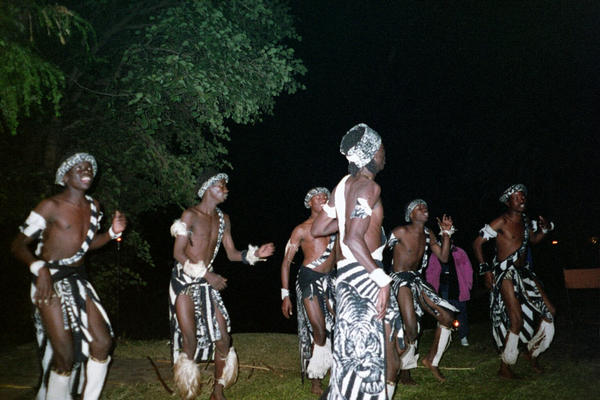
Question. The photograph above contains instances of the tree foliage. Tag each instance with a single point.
(27, 79)
(152, 95)
(194, 68)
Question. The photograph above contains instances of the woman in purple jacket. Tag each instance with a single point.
(453, 282)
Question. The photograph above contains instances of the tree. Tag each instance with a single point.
(27, 79)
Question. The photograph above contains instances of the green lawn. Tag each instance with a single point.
(270, 370)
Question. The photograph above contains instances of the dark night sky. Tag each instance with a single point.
(468, 98)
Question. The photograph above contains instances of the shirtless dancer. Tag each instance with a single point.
(362, 287)
(518, 305)
(73, 330)
(314, 291)
(199, 321)
(411, 293)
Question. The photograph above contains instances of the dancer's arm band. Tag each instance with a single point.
(249, 256)
(284, 293)
(448, 232)
(380, 277)
(330, 211)
(114, 235)
(35, 267)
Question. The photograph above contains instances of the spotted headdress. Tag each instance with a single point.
(411, 206)
(211, 181)
(518, 187)
(360, 144)
(71, 162)
(313, 192)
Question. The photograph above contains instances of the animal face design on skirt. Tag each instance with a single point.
(360, 344)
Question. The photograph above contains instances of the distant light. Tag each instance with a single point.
(554, 242)
(119, 239)
(455, 324)
(594, 240)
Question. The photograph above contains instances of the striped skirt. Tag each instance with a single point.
(206, 301)
(310, 283)
(73, 291)
(358, 370)
(419, 288)
(533, 307)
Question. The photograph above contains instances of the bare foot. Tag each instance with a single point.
(533, 361)
(435, 370)
(217, 393)
(315, 387)
(505, 371)
(405, 377)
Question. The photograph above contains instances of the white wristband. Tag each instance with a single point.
(380, 277)
(35, 266)
(448, 232)
(251, 257)
(284, 293)
(550, 228)
(114, 235)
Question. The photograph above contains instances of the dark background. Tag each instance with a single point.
(468, 97)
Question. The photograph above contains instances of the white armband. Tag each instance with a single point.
(197, 270)
(35, 266)
(487, 232)
(284, 293)
(330, 211)
(179, 228)
(248, 256)
(34, 224)
(380, 277)
(362, 209)
(114, 235)
(291, 246)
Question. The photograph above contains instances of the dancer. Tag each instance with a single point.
(362, 287)
(519, 308)
(314, 292)
(199, 320)
(412, 294)
(73, 331)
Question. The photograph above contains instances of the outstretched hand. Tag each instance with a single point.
(119, 222)
(266, 250)
(446, 222)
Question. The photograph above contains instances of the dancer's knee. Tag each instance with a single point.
(62, 362)
(102, 345)
(446, 319)
(411, 332)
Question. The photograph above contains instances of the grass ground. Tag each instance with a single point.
(270, 370)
